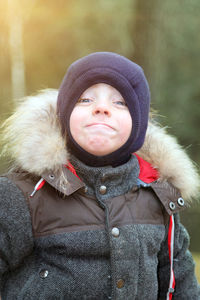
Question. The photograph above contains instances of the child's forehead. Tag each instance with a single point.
(101, 88)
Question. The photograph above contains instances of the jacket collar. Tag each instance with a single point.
(169, 196)
(107, 182)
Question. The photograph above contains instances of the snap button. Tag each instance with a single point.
(115, 232)
(51, 176)
(85, 189)
(120, 283)
(172, 206)
(102, 189)
(181, 202)
(109, 276)
(44, 273)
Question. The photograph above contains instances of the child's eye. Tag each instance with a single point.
(120, 102)
(84, 100)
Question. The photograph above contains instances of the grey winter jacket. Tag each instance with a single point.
(104, 236)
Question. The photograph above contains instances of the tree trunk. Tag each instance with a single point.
(16, 49)
(147, 39)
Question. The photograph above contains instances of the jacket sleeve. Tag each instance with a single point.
(186, 286)
(16, 239)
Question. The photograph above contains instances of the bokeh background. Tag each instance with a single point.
(39, 39)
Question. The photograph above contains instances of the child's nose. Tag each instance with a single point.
(102, 109)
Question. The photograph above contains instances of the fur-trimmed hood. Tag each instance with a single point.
(33, 140)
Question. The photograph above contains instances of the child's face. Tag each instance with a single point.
(100, 121)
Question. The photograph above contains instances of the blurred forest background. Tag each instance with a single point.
(39, 39)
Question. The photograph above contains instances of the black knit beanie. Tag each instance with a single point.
(124, 75)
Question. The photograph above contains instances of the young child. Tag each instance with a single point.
(90, 208)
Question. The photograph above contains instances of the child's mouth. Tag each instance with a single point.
(100, 125)
(101, 128)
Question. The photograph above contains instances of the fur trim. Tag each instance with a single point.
(33, 140)
(32, 135)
